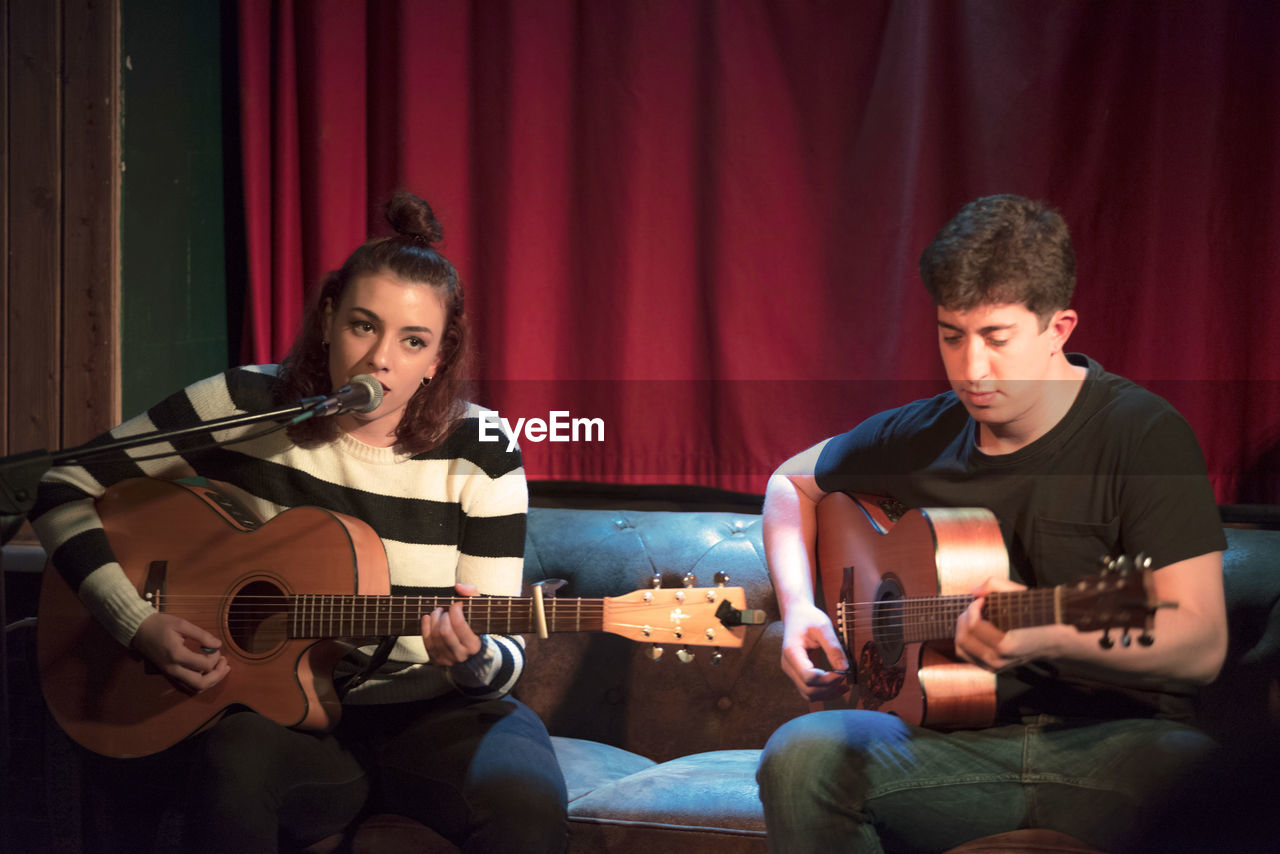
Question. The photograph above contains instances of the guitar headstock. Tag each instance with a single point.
(1121, 597)
(685, 616)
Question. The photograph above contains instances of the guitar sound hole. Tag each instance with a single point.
(257, 621)
(886, 621)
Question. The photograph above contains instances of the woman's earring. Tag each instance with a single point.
(426, 381)
(325, 343)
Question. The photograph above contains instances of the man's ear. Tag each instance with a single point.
(1061, 325)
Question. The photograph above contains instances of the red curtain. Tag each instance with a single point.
(699, 221)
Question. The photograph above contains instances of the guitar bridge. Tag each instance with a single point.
(153, 592)
(153, 584)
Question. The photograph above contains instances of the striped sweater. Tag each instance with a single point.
(454, 514)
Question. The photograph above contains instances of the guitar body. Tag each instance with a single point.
(867, 556)
(191, 546)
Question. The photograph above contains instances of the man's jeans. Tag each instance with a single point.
(864, 781)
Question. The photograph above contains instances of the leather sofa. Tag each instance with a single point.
(660, 755)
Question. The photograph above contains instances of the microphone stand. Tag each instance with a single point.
(20, 473)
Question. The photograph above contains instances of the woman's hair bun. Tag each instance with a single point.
(412, 217)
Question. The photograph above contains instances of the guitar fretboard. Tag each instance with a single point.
(927, 618)
(337, 616)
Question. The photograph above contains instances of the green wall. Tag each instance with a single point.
(174, 300)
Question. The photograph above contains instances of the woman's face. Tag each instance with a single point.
(390, 329)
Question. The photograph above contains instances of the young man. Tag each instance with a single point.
(1075, 463)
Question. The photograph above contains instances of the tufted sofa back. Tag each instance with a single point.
(606, 688)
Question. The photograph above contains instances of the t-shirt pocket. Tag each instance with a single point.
(1064, 551)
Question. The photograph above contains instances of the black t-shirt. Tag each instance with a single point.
(1120, 474)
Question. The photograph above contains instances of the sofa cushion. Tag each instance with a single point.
(713, 790)
(590, 765)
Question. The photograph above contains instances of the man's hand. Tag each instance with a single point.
(806, 629)
(982, 643)
(177, 647)
(446, 634)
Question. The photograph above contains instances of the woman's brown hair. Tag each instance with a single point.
(410, 255)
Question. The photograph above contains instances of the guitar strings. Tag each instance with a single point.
(318, 610)
(936, 609)
(279, 617)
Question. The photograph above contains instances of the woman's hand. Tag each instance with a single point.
(446, 634)
(177, 647)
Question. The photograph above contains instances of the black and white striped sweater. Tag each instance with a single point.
(454, 514)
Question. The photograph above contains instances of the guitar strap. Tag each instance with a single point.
(376, 660)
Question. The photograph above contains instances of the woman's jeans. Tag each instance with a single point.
(481, 773)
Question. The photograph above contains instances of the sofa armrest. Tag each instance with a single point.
(1246, 694)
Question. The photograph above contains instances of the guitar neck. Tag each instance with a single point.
(927, 618)
(343, 616)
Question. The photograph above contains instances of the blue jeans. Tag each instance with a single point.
(867, 782)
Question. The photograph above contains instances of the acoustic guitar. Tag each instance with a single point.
(895, 581)
(280, 595)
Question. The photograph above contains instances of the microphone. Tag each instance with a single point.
(362, 394)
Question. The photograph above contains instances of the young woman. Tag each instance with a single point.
(427, 729)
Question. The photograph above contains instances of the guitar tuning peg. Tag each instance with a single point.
(1146, 638)
(690, 579)
(684, 655)
(656, 580)
(721, 579)
(717, 656)
(1125, 640)
(654, 652)
(1143, 562)
(1105, 641)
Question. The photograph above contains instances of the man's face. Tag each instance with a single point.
(999, 361)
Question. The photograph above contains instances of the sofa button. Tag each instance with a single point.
(724, 704)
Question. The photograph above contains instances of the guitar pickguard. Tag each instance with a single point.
(878, 683)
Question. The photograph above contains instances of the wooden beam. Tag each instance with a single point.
(91, 217)
(33, 358)
(4, 230)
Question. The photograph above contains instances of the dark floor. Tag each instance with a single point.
(26, 822)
